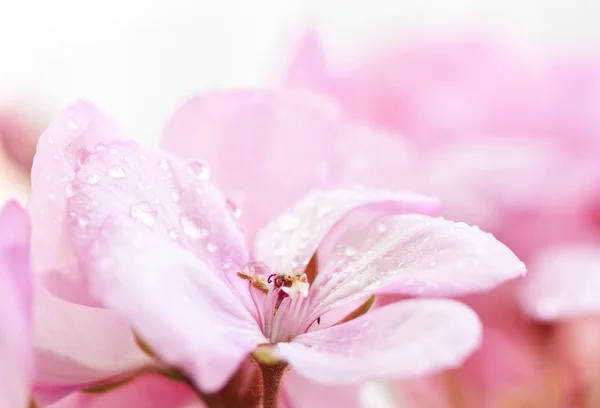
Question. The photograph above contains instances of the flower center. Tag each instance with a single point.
(281, 312)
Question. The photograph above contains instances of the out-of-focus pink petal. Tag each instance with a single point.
(79, 345)
(186, 312)
(16, 352)
(147, 391)
(251, 138)
(300, 392)
(564, 282)
(60, 152)
(410, 254)
(308, 68)
(375, 158)
(18, 139)
(401, 340)
(290, 240)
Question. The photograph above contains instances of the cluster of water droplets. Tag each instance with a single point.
(190, 224)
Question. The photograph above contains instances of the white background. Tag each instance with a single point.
(136, 59)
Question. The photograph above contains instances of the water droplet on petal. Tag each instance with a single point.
(382, 227)
(82, 156)
(350, 251)
(211, 247)
(145, 212)
(117, 172)
(175, 194)
(163, 165)
(234, 209)
(51, 196)
(173, 234)
(93, 179)
(288, 222)
(195, 227)
(56, 156)
(199, 169)
(83, 221)
(72, 125)
(71, 189)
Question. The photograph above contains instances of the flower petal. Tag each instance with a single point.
(300, 392)
(250, 138)
(564, 282)
(78, 345)
(147, 391)
(16, 351)
(186, 313)
(173, 198)
(61, 147)
(290, 240)
(401, 340)
(410, 254)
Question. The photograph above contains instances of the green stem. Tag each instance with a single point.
(271, 379)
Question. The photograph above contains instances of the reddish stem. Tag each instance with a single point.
(272, 375)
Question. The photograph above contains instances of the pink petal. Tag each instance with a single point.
(251, 138)
(414, 255)
(289, 241)
(308, 69)
(401, 340)
(59, 152)
(18, 138)
(564, 282)
(171, 197)
(186, 312)
(300, 392)
(79, 345)
(147, 391)
(16, 369)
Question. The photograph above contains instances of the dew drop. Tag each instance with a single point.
(350, 251)
(71, 189)
(83, 221)
(382, 227)
(93, 179)
(199, 169)
(288, 223)
(175, 194)
(195, 227)
(234, 209)
(163, 165)
(211, 247)
(145, 212)
(72, 125)
(82, 156)
(56, 156)
(117, 172)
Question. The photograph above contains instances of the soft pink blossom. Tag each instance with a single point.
(510, 144)
(157, 243)
(16, 370)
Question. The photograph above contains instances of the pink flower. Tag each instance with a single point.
(16, 370)
(158, 244)
(511, 146)
(260, 132)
